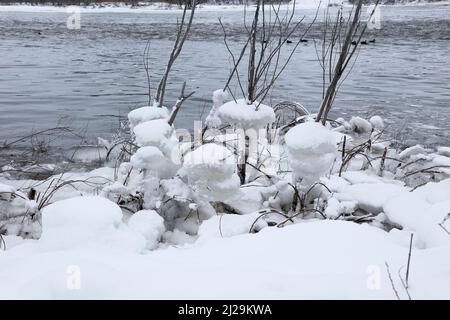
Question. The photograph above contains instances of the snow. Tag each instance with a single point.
(229, 225)
(445, 151)
(155, 133)
(369, 192)
(377, 122)
(408, 152)
(243, 115)
(219, 97)
(149, 224)
(84, 222)
(210, 154)
(312, 149)
(360, 125)
(148, 113)
(248, 266)
(211, 170)
(6, 191)
(422, 210)
(147, 158)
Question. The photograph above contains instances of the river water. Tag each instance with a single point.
(88, 77)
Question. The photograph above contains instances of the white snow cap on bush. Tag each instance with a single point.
(154, 133)
(148, 158)
(149, 224)
(219, 96)
(360, 125)
(211, 168)
(311, 149)
(144, 114)
(246, 116)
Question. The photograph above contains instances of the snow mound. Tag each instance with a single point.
(311, 149)
(148, 113)
(87, 221)
(360, 125)
(149, 224)
(424, 211)
(147, 158)
(241, 114)
(154, 133)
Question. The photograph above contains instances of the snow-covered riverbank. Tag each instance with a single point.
(355, 244)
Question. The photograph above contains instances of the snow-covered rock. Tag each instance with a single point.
(148, 113)
(149, 224)
(312, 149)
(246, 116)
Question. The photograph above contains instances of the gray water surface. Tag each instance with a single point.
(90, 76)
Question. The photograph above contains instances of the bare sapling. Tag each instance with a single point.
(341, 41)
(183, 29)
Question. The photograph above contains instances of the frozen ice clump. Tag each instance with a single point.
(445, 151)
(360, 125)
(243, 115)
(155, 133)
(311, 149)
(424, 211)
(377, 122)
(149, 224)
(148, 158)
(211, 170)
(144, 114)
